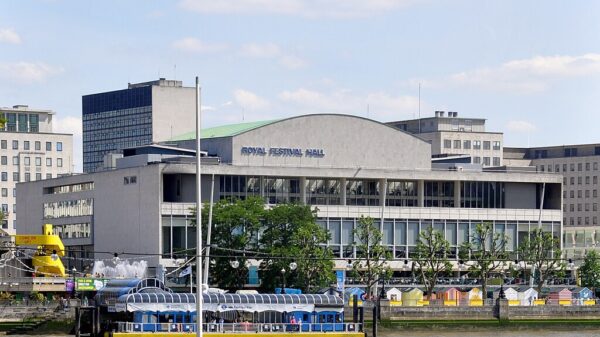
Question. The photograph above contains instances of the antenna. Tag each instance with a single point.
(175, 71)
(419, 107)
(368, 111)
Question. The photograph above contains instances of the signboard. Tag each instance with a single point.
(89, 284)
(69, 285)
(282, 152)
(341, 279)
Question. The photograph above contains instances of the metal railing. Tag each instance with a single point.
(244, 327)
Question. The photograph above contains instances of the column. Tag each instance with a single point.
(421, 193)
(303, 190)
(456, 193)
(343, 191)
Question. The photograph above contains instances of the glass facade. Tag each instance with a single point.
(68, 208)
(323, 192)
(21, 122)
(73, 231)
(113, 121)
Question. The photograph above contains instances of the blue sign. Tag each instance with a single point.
(282, 152)
(341, 279)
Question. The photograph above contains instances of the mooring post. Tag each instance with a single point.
(354, 308)
(375, 313)
(77, 322)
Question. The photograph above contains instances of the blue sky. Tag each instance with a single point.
(532, 68)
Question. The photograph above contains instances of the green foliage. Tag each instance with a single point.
(589, 272)
(291, 232)
(372, 257)
(431, 259)
(235, 227)
(485, 253)
(542, 252)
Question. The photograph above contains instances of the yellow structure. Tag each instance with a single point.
(46, 244)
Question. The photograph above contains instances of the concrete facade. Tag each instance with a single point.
(451, 135)
(29, 151)
(310, 159)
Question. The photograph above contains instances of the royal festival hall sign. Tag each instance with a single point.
(282, 152)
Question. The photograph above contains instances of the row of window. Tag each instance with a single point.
(16, 176)
(5, 208)
(580, 221)
(27, 161)
(580, 180)
(581, 207)
(87, 186)
(27, 145)
(73, 231)
(364, 192)
(580, 194)
(4, 192)
(21, 122)
(466, 144)
(68, 208)
(571, 167)
(485, 161)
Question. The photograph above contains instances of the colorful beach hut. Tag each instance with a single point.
(349, 295)
(394, 295)
(412, 297)
(471, 296)
(450, 296)
(527, 295)
(583, 296)
(511, 294)
(560, 296)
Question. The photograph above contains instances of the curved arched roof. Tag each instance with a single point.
(166, 297)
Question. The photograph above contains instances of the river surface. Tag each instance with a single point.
(498, 333)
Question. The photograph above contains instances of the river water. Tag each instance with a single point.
(508, 332)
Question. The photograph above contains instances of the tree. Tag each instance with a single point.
(291, 234)
(371, 256)
(589, 272)
(485, 253)
(542, 252)
(431, 260)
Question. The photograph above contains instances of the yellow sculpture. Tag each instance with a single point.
(46, 261)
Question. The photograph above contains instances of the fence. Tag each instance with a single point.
(244, 327)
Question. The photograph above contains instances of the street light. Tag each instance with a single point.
(283, 280)
(234, 264)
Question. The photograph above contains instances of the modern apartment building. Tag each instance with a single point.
(29, 151)
(451, 135)
(579, 167)
(144, 113)
(344, 166)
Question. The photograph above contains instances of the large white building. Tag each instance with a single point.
(29, 151)
(346, 166)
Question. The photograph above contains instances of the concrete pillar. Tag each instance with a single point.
(382, 191)
(343, 191)
(502, 309)
(456, 193)
(421, 193)
(303, 190)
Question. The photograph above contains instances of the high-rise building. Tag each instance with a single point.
(142, 114)
(29, 151)
(579, 167)
(451, 135)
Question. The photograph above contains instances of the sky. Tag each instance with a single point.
(531, 68)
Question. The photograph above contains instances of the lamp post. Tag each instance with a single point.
(283, 280)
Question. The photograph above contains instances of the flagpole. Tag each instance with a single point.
(198, 218)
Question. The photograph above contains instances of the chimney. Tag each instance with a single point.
(441, 113)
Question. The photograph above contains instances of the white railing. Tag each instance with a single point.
(244, 327)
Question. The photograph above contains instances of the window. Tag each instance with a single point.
(572, 207)
(580, 167)
(579, 208)
(477, 144)
(130, 180)
(447, 144)
(48, 161)
(486, 161)
(595, 179)
(549, 168)
(579, 180)
(59, 162)
(467, 144)
(15, 178)
(579, 194)
(572, 194)
(587, 166)
(5, 192)
(26, 145)
(496, 161)
(4, 176)
(486, 144)
(26, 161)
(570, 152)
(48, 175)
(38, 161)
(68, 208)
(496, 145)
(27, 176)
(594, 207)
(48, 146)
(457, 144)
(38, 145)
(3, 144)
(16, 160)
(38, 176)
(476, 160)
(15, 144)
(587, 207)
(595, 193)
(587, 180)
(4, 160)
(595, 165)
(557, 168)
(564, 167)
(572, 180)
(587, 193)
(59, 146)
(541, 168)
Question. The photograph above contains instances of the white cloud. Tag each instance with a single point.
(28, 72)
(193, 45)
(249, 100)
(272, 51)
(305, 8)
(376, 105)
(520, 126)
(8, 35)
(531, 75)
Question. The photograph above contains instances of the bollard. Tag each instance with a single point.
(375, 313)
(354, 308)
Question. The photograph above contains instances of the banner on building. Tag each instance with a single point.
(89, 284)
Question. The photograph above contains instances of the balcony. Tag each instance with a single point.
(177, 208)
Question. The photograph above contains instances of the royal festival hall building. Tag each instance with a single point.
(346, 166)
